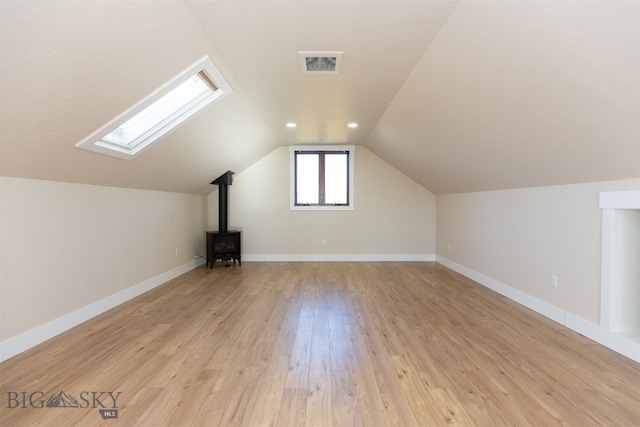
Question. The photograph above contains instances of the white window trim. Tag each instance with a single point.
(98, 143)
(292, 176)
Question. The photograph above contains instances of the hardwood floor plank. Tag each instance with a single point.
(420, 396)
(398, 411)
(196, 394)
(293, 408)
(342, 344)
(269, 393)
(338, 349)
(319, 402)
(370, 403)
(344, 401)
(298, 376)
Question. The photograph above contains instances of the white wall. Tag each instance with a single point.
(521, 237)
(66, 246)
(394, 217)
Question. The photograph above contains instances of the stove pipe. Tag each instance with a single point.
(223, 181)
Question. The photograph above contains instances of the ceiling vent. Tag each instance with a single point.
(320, 62)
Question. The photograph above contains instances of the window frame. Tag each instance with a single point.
(349, 149)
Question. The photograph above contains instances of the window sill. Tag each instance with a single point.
(321, 208)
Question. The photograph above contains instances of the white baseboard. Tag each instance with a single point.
(615, 342)
(42, 333)
(337, 257)
(618, 343)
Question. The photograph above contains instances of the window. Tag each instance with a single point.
(321, 177)
(155, 116)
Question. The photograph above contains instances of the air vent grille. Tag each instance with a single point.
(320, 62)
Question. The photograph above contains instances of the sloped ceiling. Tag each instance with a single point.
(459, 95)
(520, 94)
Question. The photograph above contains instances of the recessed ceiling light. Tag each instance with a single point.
(352, 125)
(291, 125)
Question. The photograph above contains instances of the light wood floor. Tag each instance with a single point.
(343, 344)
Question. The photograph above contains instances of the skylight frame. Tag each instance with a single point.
(106, 141)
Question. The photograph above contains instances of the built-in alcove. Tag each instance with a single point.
(620, 292)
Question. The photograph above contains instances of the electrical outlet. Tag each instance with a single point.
(324, 242)
(554, 281)
(449, 246)
(176, 251)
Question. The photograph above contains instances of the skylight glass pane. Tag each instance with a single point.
(160, 112)
(307, 178)
(336, 178)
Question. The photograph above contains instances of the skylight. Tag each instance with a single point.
(164, 110)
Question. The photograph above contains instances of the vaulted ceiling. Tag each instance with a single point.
(459, 95)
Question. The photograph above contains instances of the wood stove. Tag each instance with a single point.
(223, 244)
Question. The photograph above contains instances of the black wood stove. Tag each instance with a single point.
(223, 244)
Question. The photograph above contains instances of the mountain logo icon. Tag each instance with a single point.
(62, 400)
